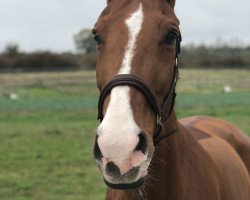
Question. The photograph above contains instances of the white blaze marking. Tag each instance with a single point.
(118, 130)
(134, 24)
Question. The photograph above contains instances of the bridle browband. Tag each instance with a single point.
(162, 112)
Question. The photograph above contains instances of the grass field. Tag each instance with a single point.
(46, 135)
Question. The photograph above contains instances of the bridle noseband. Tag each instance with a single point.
(162, 112)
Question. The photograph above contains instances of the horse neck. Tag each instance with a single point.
(165, 169)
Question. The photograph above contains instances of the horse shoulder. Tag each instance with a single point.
(209, 126)
(229, 149)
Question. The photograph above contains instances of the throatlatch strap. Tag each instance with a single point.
(169, 99)
(160, 138)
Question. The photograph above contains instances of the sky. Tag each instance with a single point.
(37, 25)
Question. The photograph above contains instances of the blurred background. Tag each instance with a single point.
(48, 94)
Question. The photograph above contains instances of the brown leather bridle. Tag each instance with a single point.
(162, 112)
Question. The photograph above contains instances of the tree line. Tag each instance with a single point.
(192, 56)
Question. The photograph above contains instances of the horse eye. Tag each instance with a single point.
(170, 39)
(97, 38)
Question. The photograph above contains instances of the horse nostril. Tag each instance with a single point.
(112, 170)
(97, 152)
(142, 145)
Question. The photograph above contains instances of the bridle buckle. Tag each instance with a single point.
(159, 120)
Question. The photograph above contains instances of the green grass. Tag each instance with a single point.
(46, 136)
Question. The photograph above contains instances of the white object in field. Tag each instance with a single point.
(227, 89)
(13, 96)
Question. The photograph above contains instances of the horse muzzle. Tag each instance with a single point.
(113, 178)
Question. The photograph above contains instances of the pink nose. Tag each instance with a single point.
(128, 166)
(124, 166)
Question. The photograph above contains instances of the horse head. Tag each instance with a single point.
(138, 41)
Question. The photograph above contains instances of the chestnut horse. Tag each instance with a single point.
(141, 148)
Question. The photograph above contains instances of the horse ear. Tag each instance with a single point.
(171, 2)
